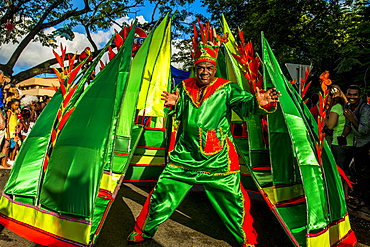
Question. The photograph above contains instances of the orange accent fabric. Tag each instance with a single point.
(172, 141)
(348, 241)
(247, 226)
(212, 142)
(141, 219)
(193, 90)
(233, 156)
(36, 235)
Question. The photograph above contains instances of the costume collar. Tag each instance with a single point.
(193, 91)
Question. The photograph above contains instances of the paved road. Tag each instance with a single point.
(194, 224)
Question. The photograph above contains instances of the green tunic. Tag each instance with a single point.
(204, 154)
(204, 141)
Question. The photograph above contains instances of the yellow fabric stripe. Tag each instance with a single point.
(109, 181)
(148, 160)
(332, 235)
(75, 231)
(283, 193)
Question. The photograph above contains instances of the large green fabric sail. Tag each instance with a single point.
(154, 53)
(26, 174)
(151, 60)
(85, 145)
(321, 184)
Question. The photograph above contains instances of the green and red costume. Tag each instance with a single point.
(204, 154)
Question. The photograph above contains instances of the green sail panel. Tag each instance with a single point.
(302, 146)
(153, 55)
(141, 64)
(160, 76)
(75, 167)
(26, 173)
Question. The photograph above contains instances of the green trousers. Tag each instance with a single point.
(225, 193)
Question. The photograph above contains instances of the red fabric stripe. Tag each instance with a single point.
(265, 168)
(247, 226)
(104, 217)
(233, 156)
(141, 219)
(152, 128)
(138, 180)
(133, 164)
(36, 235)
(172, 141)
(348, 241)
(122, 154)
(290, 203)
(104, 194)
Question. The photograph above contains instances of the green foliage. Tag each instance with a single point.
(330, 35)
(32, 17)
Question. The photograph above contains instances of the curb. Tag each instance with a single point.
(363, 213)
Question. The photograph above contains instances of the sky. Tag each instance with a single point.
(35, 53)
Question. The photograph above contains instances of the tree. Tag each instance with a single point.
(299, 31)
(31, 17)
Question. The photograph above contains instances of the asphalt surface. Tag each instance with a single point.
(194, 224)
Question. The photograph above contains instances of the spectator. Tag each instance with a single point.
(368, 97)
(12, 138)
(45, 101)
(29, 101)
(36, 110)
(342, 147)
(2, 117)
(26, 123)
(357, 114)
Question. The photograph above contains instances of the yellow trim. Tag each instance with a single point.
(109, 181)
(261, 107)
(332, 236)
(216, 173)
(75, 231)
(155, 160)
(283, 193)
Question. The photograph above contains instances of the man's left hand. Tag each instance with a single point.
(266, 97)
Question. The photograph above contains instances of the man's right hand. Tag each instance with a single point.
(170, 98)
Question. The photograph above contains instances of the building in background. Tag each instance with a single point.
(39, 86)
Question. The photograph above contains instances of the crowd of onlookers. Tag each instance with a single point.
(18, 114)
(348, 133)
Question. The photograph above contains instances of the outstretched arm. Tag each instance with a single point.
(170, 99)
(266, 97)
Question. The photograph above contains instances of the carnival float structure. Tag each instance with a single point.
(93, 136)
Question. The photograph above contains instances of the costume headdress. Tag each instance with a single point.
(206, 44)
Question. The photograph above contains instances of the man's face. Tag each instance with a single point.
(205, 72)
(353, 96)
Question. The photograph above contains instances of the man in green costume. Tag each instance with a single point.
(204, 152)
